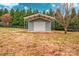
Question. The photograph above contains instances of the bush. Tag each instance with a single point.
(57, 26)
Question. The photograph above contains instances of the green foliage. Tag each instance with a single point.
(57, 26)
(78, 15)
(19, 14)
(1, 12)
(50, 13)
(29, 12)
(5, 11)
(44, 12)
(74, 23)
(17, 17)
(35, 11)
(73, 14)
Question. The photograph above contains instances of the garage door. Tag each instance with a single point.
(39, 26)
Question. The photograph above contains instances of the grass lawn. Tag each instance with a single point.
(19, 42)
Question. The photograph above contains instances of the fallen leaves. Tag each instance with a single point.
(19, 42)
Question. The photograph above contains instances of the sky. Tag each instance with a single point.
(39, 6)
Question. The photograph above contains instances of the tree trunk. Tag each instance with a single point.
(65, 29)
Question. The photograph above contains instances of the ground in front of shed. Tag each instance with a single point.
(19, 42)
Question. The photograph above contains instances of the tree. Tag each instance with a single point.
(50, 12)
(78, 14)
(1, 12)
(5, 11)
(44, 12)
(73, 22)
(22, 15)
(35, 11)
(12, 12)
(6, 19)
(64, 15)
(29, 12)
(73, 13)
(18, 17)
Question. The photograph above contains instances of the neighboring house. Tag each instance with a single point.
(39, 22)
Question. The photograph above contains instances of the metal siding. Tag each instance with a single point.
(48, 26)
(30, 26)
(39, 26)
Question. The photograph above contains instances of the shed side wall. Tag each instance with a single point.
(48, 26)
(30, 26)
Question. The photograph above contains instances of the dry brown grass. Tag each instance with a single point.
(19, 42)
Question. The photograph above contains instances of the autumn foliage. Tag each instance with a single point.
(6, 19)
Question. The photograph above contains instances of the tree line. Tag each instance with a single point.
(65, 22)
(16, 16)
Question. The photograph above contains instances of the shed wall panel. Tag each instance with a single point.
(30, 26)
(48, 26)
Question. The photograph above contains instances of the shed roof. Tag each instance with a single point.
(39, 15)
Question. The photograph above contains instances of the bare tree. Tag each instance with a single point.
(64, 15)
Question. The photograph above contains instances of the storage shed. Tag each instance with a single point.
(39, 22)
